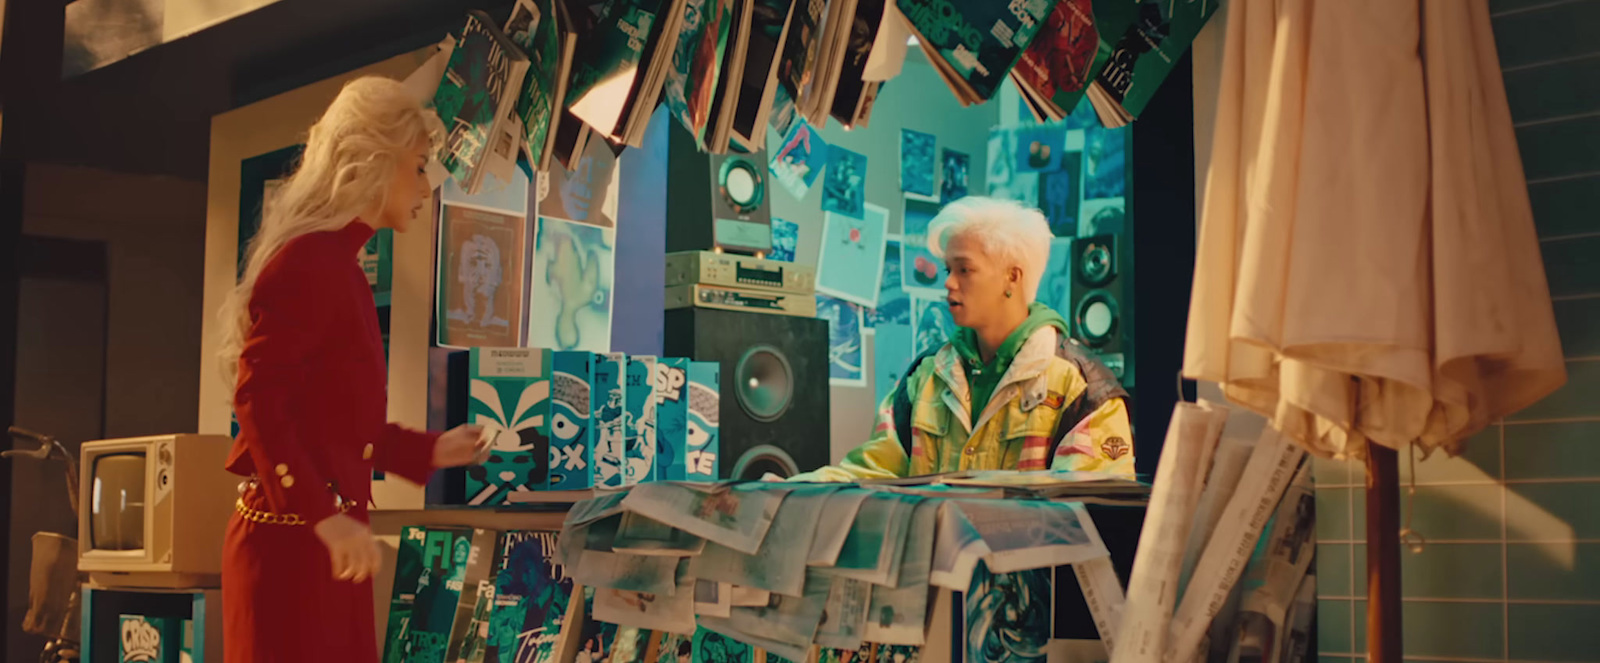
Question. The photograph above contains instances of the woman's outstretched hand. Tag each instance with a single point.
(462, 445)
(351, 547)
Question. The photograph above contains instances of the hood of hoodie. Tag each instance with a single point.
(987, 375)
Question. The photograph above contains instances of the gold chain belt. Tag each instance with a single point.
(270, 518)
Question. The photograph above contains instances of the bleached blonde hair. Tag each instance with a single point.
(345, 171)
(1013, 234)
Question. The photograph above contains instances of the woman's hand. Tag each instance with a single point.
(354, 553)
(462, 445)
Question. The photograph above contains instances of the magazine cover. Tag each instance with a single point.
(639, 460)
(955, 167)
(479, 575)
(479, 291)
(542, 29)
(799, 159)
(709, 646)
(672, 419)
(1145, 39)
(916, 162)
(844, 185)
(445, 552)
(894, 306)
(931, 325)
(921, 272)
(508, 390)
(607, 70)
(571, 286)
(705, 407)
(610, 419)
(597, 638)
(1008, 616)
(587, 192)
(480, 83)
(850, 255)
(844, 341)
(975, 42)
(797, 63)
(531, 595)
(147, 639)
(1060, 62)
(572, 439)
(697, 64)
(1059, 194)
(407, 572)
(758, 87)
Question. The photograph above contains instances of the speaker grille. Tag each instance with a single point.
(764, 383)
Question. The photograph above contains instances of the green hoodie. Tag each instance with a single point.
(982, 378)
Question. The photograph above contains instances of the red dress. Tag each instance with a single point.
(312, 407)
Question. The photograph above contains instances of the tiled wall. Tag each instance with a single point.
(1511, 569)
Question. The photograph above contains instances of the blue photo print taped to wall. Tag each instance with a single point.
(844, 341)
(844, 185)
(916, 162)
(894, 305)
(785, 237)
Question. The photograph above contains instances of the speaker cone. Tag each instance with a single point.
(763, 383)
(1097, 263)
(740, 184)
(1096, 318)
(763, 460)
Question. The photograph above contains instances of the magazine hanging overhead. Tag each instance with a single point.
(559, 74)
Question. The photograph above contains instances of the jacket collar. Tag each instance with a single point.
(354, 235)
(1031, 361)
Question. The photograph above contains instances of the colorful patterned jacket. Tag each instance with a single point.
(1055, 407)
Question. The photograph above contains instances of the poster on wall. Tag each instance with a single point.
(1005, 178)
(798, 161)
(931, 325)
(1060, 194)
(1055, 287)
(916, 162)
(480, 277)
(573, 268)
(845, 351)
(785, 238)
(844, 186)
(891, 352)
(919, 268)
(1105, 160)
(850, 257)
(957, 166)
(894, 306)
(1040, 147)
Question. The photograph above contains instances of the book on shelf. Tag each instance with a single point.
(697, 63)
(853, 95)
(974, 44)
(475, 98)
(544, 31)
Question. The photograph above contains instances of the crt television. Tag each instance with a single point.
(153, 510)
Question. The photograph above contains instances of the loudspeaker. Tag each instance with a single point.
(717, 202)
(774, 411)
(1100, 314)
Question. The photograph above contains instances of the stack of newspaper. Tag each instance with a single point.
(785, 566)
(1212, 501)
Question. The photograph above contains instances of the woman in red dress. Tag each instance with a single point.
(303, 349)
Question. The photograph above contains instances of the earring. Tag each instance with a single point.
(1008, 294)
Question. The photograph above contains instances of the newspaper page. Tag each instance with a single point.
(838, 515)
(780, 564)
(898, 615)
(749, 597)
(641, 535)
(786, 620)
(734, 516)
(872, 551)
(1226, 467)
(1152, 587)
(1272, 583)
(1009, 535)
(635, 573)
(844, 620)
(663, 613)
(713, 598)
(1273, 463)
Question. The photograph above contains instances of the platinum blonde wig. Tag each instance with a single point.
(1008, 232)
(346, 170)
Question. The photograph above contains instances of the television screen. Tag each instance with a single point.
(117, 510)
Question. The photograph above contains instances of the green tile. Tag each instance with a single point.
(1333, 627)
(1454, 512)
(1552, 511)
(1565, 147)
(1451, 571)
(1566, 207)
(1554, 632)
(1330, 472)
(1358, 570)
(1570, 266)
(1333, 570)
(1578, 320)
(1574, 399)
(1453, 630)
(1479, 461)
(1557, 90)
(1552, 32)
(1561, 450)
(1333, 515)
(1358, 626)
(1552, 571)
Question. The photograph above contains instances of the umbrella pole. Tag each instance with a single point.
(1383, 555)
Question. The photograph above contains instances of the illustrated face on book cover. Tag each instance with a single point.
(567, 425)
(702, 433)
(480, 275)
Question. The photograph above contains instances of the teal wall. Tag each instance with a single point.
(916, 99)
(1512, 566)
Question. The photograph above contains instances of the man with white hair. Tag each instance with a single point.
(1010, 390)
